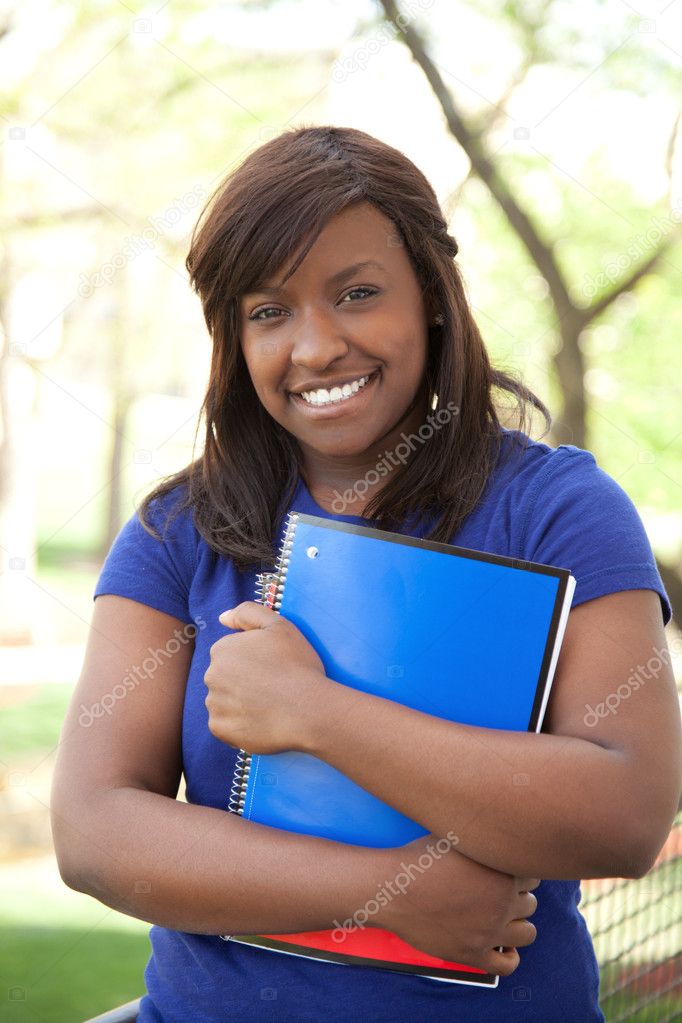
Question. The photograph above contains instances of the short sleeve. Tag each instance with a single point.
(578, 517)
(154, 572)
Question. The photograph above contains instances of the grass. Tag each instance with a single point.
(622, 1008)
(102, 970)
(64, 956)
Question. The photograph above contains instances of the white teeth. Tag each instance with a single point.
(324, 397)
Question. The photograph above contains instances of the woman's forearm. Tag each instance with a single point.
(198, 869)
(547, 806)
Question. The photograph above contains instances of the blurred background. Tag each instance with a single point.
(551, 133)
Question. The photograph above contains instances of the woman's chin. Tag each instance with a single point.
(337, 448)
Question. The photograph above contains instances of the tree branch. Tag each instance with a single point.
(628, 282)
(473, 145)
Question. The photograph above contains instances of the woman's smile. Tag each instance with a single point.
(353, 403)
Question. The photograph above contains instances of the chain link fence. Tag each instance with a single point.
(636, 927)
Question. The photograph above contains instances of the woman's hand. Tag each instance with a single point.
(455, 908)
(265, 682)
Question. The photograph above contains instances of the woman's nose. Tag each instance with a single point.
(316, 340)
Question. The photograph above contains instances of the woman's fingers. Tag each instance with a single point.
(526, 904)
(519, 933)
(502, 963)
(526, 884)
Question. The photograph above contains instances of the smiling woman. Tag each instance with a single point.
(340, 268)
(350, 381)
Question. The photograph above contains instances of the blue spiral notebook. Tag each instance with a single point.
(460, 634)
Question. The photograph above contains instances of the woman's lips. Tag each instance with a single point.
(355, 403)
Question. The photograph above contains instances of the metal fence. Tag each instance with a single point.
(636, 927)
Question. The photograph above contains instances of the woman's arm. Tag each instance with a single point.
(121, 836)
(595, 798)
(194, 868)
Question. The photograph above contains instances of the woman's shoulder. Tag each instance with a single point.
(171, 514)
(547, 483)
(565, 509)
(154, 560)
(535, 458)
(534, 472)
(168, 504)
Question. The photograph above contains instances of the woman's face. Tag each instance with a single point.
(332, 325)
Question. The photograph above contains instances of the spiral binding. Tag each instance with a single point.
(268, 590)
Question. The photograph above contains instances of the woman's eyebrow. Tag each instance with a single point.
(336, 278)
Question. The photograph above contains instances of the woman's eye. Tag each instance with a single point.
(369, 291)
(364, 291)
(257, 314)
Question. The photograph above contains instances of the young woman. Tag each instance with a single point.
(339, 323)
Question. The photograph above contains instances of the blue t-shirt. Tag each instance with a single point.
(551, 505)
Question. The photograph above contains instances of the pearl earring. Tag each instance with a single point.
(439, 319)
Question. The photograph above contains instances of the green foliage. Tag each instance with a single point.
(33, 725)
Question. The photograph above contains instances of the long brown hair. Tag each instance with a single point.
(273, 205)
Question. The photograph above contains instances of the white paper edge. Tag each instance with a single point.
(563, 619)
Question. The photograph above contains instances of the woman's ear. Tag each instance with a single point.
(435, 316)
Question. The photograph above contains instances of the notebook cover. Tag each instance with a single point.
(402, 618)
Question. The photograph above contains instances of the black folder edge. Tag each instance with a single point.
(453, 976)
(562, 606)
